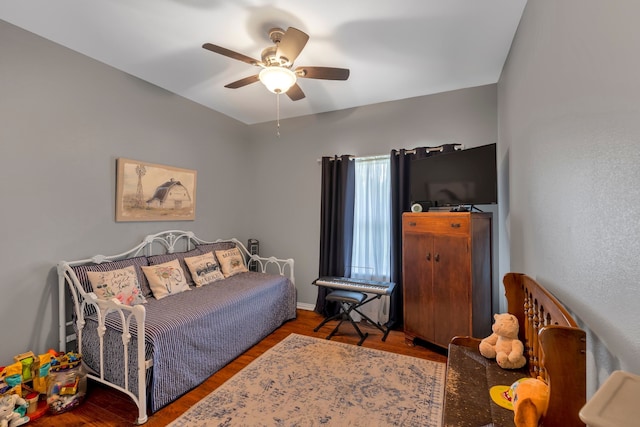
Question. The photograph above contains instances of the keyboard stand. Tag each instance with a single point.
(352, 302)
(347, 301)
(383, 329)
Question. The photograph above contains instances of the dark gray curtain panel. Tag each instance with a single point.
(336, 223)
(401, 202)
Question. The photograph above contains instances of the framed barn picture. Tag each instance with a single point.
(150, 192)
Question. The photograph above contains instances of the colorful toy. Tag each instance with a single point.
(66, 391)
(26, 360)
(502, 395)
(41, 371)
(11, 379)
(530, 402)
(32, 402)
(503, 344)
(12, 411)
(65, 361)
(70, 388)
(67, 383)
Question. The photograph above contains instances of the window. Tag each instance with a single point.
(371, 255)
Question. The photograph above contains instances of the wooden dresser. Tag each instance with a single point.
(447, 275)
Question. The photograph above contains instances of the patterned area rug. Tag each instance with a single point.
(305, 381)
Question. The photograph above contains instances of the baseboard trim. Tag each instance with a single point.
(305, 306)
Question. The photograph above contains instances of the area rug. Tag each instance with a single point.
(304, 381)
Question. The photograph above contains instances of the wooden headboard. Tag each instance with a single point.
(554, 345)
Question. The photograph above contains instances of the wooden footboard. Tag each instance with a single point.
(554, 346)
(555, 349)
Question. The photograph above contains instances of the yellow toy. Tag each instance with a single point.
(11, 379)
(503, 344)
(530, 402)
(42, 366)
(26, 360)
(502, 395)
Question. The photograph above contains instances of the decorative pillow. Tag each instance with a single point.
(204, 269)
(231, 262)
(81, 272)
(166, 279)
(161, 259)
(120, 284)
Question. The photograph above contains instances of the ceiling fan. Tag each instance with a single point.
(277, 62)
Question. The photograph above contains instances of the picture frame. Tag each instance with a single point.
(152, 192)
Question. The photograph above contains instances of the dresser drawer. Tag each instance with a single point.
(436, 223)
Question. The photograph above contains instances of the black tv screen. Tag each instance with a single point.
(465, 177)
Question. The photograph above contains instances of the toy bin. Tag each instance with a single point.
(66, 389)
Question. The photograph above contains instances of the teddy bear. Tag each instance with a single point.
(503, 344)
(530, 402)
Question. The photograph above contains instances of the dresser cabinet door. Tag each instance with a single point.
(451, 290)
(418, 284)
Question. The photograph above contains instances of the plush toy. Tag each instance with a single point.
(530, 402)
(12, 410)
(503, 344)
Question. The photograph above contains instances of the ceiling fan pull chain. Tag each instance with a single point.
(278, 113)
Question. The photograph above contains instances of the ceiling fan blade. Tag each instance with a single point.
(242, 82)
(295, 93)
(292, 43)
(230, 54)
(325, 73)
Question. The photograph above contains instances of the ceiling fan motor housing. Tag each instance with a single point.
(270, 58)
(270, 54)
(275, 34)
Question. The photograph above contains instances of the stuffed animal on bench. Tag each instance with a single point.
(503, 344)
(530, 402)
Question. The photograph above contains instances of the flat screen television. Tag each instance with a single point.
(465, 177)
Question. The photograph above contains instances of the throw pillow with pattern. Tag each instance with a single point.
(204, 269)
(166, 279)
(231, 262)
(121, 284)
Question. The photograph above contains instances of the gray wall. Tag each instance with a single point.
(569, 119)
(64, 119)
(568, 132)
(291, 162)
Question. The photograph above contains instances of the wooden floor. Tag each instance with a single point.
(106, 407)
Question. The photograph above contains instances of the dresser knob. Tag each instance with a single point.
(455, 225)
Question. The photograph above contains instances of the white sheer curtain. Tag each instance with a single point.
(371, 256)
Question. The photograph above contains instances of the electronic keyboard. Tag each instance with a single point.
(358, 285)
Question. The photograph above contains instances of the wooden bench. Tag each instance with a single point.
(555, 349)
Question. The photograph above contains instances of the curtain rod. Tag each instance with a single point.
(433, 149)
(411, 151)
(371, 157)
(332, 158)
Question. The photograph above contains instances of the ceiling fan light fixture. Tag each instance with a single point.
(277, 79)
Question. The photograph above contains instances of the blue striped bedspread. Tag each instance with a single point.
(191, 335)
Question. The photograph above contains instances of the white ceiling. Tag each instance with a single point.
(394, 49)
